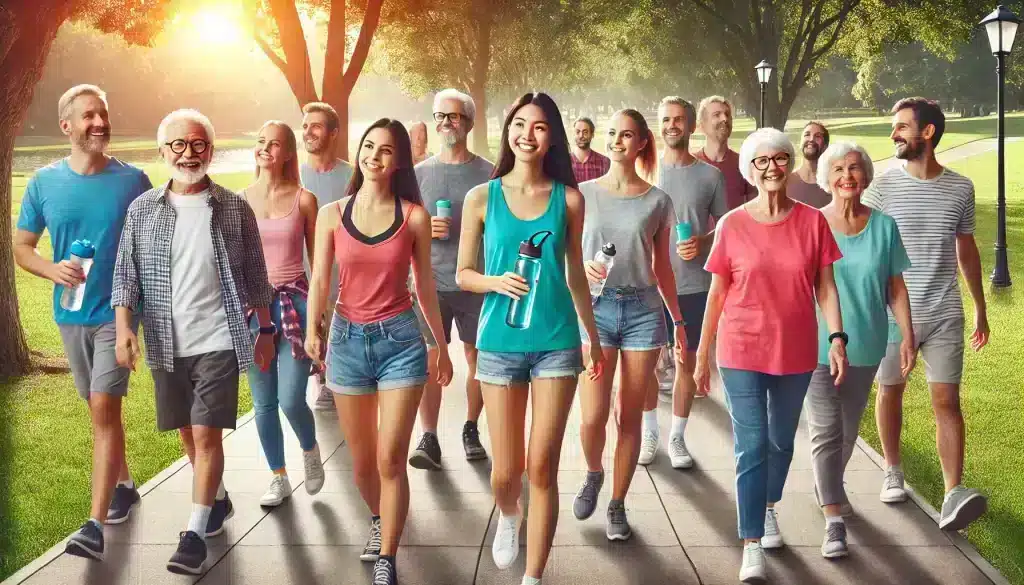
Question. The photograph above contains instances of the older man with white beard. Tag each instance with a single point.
(191, 251)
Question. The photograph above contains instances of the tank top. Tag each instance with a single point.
(553, 325)
(283, 240)
(373, 271)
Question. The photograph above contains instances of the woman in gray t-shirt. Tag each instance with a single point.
(623, 208)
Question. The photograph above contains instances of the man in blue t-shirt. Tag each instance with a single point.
(85, 197)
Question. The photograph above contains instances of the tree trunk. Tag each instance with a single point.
(27, 33)
(478, 89)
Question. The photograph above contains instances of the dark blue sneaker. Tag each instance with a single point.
(384, 572)
(190, 556)
(121, 504)
(87, 542)
(222, 511)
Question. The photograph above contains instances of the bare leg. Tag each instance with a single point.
(595, 403)
(889, 418)
(949, 432)
(474, 396)
(684, 388)
(188, 443)
(430, 403)
(637, 373)
(209, 463)
(357, 417)
(108, 458)
(506, 418)
(398, 415)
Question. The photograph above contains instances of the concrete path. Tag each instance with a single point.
(684, 523)
(955, 154)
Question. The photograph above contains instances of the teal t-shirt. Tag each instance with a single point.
(869, 260)
(83, 207)
(553, 325)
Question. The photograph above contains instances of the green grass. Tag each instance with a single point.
(45, 437)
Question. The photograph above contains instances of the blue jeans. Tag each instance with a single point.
(284, 385)
(765, 411)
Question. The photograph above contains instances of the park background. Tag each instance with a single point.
(245, 61)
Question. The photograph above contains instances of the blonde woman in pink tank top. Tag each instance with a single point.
(286, 214)
(376, 356)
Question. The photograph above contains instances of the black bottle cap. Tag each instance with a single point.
(608, 249)
(531, 249)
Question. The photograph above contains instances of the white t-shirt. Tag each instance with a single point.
(197, 303)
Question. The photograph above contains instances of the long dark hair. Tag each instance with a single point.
(647, 158)
(403, 180)
(557, 160)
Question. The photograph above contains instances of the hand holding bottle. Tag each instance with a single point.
(510, 284)
(596, 271)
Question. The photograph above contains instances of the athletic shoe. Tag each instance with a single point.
(280, 489)
(960, 507)
(325, 399)
(121, 504)
(471, 442)
(190, 556)
(384, 572)
(314, 468)
(87, 542)
(678, 454)
(772, 536)
(222, 511)
(893, 491)
(618, 526)
(427, 454)
(585, 502)
(648, 447)
(505, 549)
(753, 568)
(371, 552)
(834, 545)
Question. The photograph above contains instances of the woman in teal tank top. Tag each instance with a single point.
(529, 218)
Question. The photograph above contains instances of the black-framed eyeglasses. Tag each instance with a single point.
(453, 117)
(178, 146)
(762, 163)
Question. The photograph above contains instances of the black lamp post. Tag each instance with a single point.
(764, 75)
(1001, 27)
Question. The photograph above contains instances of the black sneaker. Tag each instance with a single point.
(121, 504)
(427, 454)
(471, 442)
(190, 556)
(372, 550)
(222, 512)
(87, 542)
(384, 572)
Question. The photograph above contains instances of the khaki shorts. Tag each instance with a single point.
(941, 344)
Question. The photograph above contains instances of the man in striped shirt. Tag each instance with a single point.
(934, 209)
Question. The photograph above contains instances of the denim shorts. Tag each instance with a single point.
(501, 368)
(630, 319)
(386, 355)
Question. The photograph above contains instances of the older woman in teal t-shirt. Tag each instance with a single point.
(869, 278)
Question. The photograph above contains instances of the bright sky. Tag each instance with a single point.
(217, 25)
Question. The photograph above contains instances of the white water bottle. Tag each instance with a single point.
(605, 257)
(82, 253)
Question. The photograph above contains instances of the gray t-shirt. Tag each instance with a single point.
(628, 222)
(438, 180)
(810, 193)
(326, 187)
(697, 191)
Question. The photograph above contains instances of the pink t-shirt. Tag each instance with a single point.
(769, 323)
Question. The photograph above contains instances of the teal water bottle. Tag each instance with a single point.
(527, 266)
(444, 209)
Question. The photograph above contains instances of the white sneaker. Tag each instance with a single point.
(753, 568)
(648, 448)
(893, 491)
(314, 467)
(678, 453)
(505, 549)
(834, 545)
(279, 490)
(772, 536)
(325, 399)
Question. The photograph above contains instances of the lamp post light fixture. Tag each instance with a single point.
(764, 75)
(1001, 27)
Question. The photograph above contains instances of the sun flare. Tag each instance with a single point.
(218, 25)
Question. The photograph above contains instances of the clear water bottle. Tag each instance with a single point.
(444, 209)
(605, 257)
(82, 253)
(527, 266)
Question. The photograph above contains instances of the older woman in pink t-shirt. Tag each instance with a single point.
(771, 260)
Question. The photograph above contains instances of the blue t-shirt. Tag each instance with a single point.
(83, 207)
(869, 260)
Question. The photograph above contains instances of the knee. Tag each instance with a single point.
(264, 405)
(502, 478)
(391, 467)
(207, 439)
(751, 453)
(946, 402)
(294, 405)
(105, 413)
(542, 472)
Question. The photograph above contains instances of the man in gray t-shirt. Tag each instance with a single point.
(449, 176)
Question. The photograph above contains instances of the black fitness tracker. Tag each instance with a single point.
(839, 335)
(270, 330)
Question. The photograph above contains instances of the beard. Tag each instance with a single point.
(679, 141)
(453, 137)
(911, 150)
(315, 145)
(91, 143)
(811, 151)
(188, 177)
(583, 143)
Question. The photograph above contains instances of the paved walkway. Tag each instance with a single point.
(684, 523)
(957, 153)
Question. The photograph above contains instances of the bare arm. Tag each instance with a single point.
(661, 263)
(423, 275)
(576, 276)
(828, 299)
(327, 221)
(899, 302)
(307, 205)
(720, 284)
(27, 257)
(467, 273)
(970, 267)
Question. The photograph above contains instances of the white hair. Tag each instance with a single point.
(838, 151)
(68, 99)
(453, 94)
(185, 115)
(764, 138)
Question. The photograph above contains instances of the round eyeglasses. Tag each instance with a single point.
(762, 163)
(178, 146)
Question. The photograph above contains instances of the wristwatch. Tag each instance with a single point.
(679, 322)
(841, 336)
(270, 330)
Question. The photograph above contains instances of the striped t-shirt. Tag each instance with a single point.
(930, 214)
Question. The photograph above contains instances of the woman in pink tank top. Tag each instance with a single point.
(286, 215)
(376, 356)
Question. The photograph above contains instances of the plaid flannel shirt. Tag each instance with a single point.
(142, 273)
(595, 167)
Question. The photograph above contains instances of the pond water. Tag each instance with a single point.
(230, 160)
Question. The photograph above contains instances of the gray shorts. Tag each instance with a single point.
(202, 390)
(461, 307)
(93, 362)
(942, 347)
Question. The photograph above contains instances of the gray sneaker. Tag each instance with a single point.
(618, 526)
(87, 542)
(324, 399)
(834, 545)
(585, 503)
(427, 454)
(960, 507)
(893, 490)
